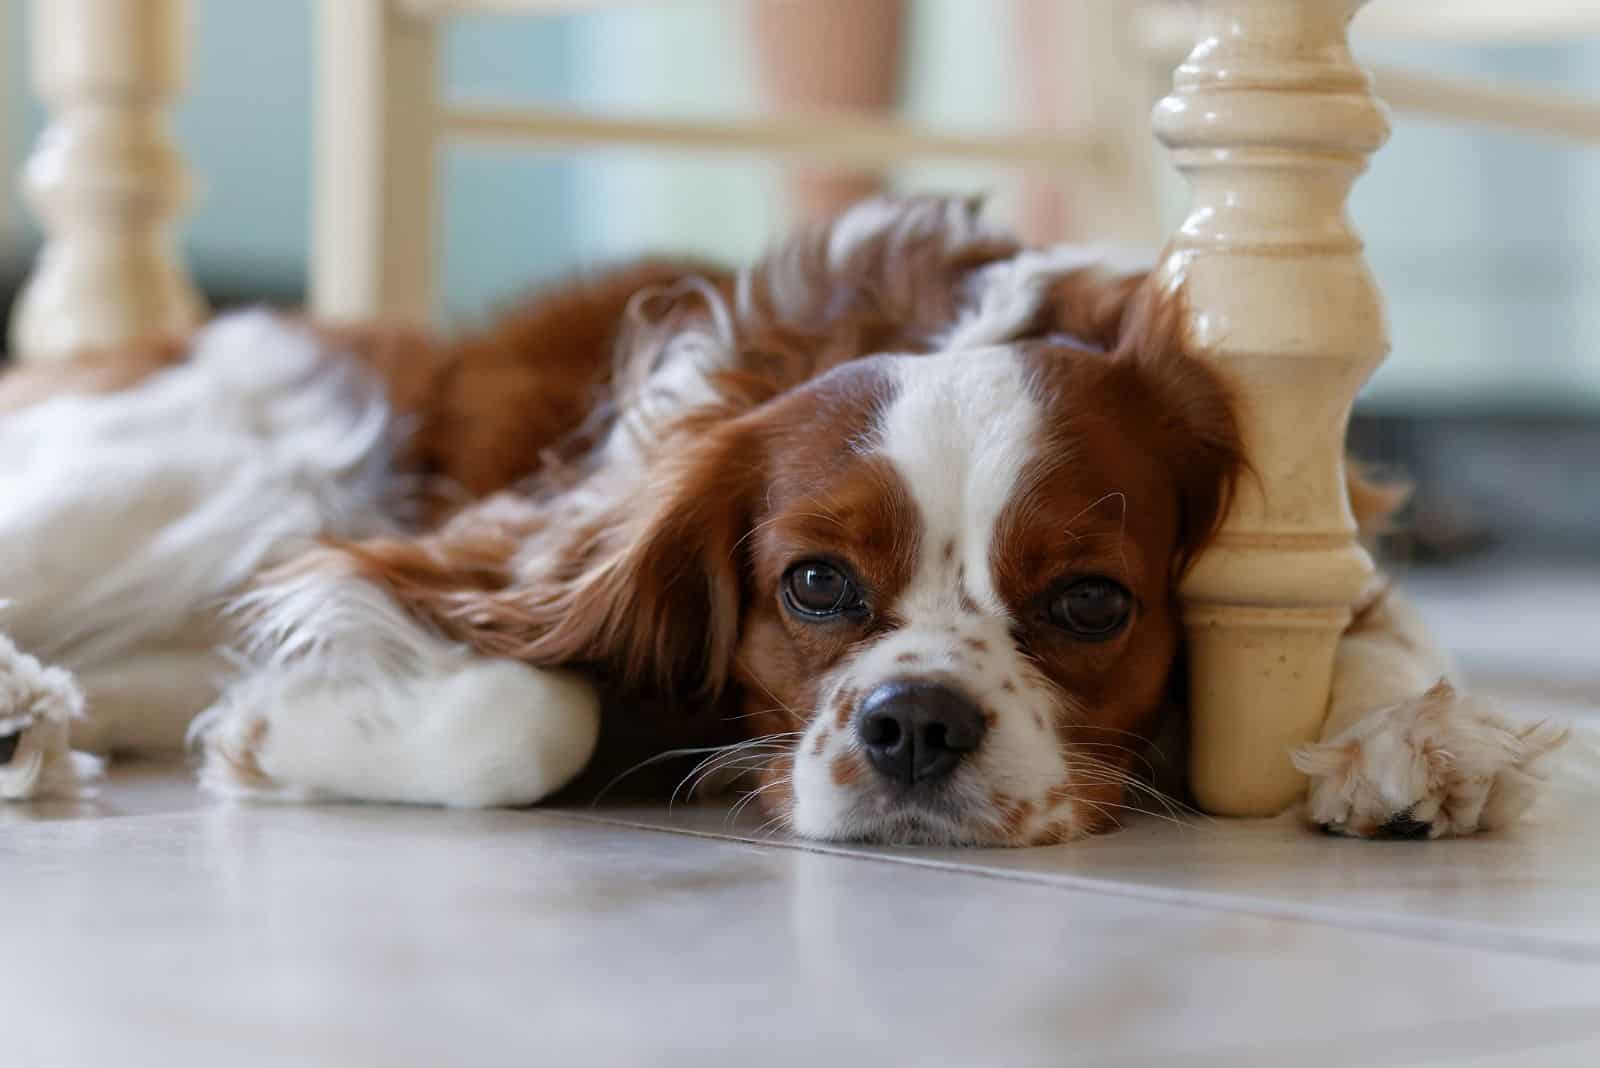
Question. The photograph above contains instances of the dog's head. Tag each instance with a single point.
(943, 582)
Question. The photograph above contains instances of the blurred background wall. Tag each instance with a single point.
(1486, 245)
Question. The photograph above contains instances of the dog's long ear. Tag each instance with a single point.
(639, 578)
(1100, 306)
(1184, 406)
(652, 592)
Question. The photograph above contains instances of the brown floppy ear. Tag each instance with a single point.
(1183, 405)
(651, 592)
(1095, 305)
(644, 585)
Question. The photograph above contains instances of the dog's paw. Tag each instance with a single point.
(37, 706)
(457, 730)
(1439, 765)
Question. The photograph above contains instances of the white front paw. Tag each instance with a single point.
(37, 705)
(1440, 764)
(459, 730)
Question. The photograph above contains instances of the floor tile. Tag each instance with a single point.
(1533, 891)
(394, 937)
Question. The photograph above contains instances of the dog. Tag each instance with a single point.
(890, 524)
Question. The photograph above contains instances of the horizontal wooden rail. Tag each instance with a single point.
(1495, 104)
(1405, 89)
(1478, 20)
(1431, 20)
(1169, 33)
(1168, 30)
(833, 139)
(445, 8)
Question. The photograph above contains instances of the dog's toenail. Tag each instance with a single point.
(1403, 825)
(8, 746)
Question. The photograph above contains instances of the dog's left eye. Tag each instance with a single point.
(816, 588)
(1092, 609)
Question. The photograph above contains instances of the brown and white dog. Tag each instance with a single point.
(891, 523)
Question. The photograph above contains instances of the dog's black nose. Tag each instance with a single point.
(918, 731)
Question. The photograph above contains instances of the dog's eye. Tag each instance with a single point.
(1092, 608)
(815, 588)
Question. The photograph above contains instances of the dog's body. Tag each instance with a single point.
(931, 596)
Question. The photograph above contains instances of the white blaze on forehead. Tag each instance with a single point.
(960, 430)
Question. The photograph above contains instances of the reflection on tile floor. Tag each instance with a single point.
(367, 935)
(167, 930)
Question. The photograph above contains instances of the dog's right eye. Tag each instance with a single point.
(818, 589)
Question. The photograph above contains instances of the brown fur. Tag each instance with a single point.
(491, 407)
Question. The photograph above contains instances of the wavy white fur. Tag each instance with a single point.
(351, 699)
(126, 518)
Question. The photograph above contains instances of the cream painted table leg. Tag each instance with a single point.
(373, 209)
(105, 178)
(1271, 121)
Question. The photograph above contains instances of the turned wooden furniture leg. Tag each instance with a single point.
(373, 202)
(1271, 121)
(105, 178)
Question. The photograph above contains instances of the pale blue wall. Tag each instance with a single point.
(1488, 246)
(245, 126)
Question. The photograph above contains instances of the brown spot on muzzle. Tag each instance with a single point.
(845, 769)
(847, 708)
(1015, 818)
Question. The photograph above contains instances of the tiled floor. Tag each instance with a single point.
(153, 928)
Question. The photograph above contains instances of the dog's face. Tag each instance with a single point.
(942, 584)
(953, 584)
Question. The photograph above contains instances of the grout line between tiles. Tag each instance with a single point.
(1448, 932)
(1509, 1035)
(1411, 927)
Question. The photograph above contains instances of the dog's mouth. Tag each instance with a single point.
(920, 815)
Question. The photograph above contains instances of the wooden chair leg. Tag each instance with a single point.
(373, 205)
(1271, 121)
(105, 178)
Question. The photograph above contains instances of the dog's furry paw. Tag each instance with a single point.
(1441, 764)
(456, 730)
(37, 706)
